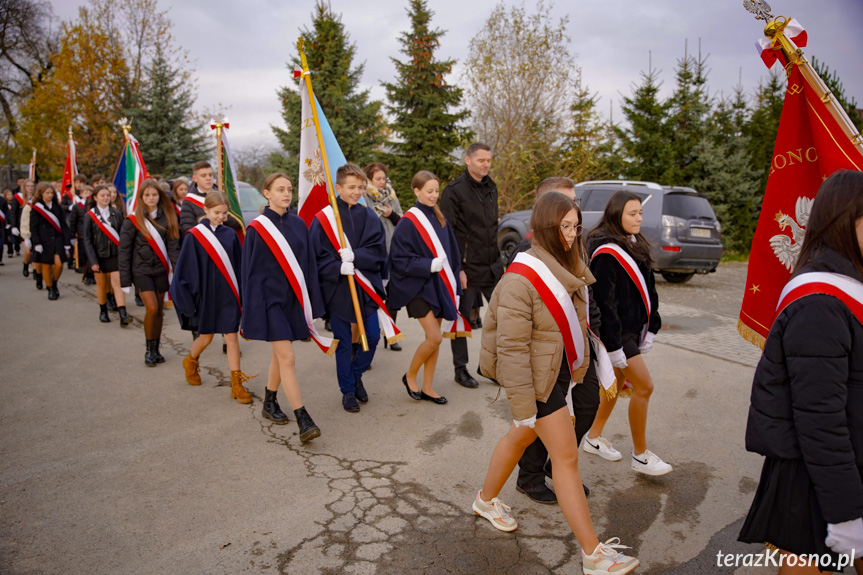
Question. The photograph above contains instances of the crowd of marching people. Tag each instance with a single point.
(569, 316)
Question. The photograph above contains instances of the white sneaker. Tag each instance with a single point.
(607, 560)
(496, 512)
(602, 447)
(650, 464)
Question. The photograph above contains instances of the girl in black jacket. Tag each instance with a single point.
(49, 236)
(806, 412)
(149, 246)
(626, 295)
(100, 240)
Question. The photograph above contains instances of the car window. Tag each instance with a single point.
(598, 197)
(687, 206)
(250, 198)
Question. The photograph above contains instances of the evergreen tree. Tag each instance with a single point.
(763, 125)
(587, 148)
(172, 138)
(688, 109)
(835, 85)
(356, 122)
(644, 143)
(426, 132)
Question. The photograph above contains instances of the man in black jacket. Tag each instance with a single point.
(192, 208)
(469, 204)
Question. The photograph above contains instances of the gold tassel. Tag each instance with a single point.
(396, 338)
(332, 351)
(608, 394)
(750, 335)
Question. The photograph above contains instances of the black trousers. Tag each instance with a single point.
(585, 402)
(468, 302)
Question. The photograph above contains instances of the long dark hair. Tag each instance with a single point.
(142, 214)
(833, 219)
(545, 220)
(610, 225)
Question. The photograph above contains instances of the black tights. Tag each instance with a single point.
(154, 303)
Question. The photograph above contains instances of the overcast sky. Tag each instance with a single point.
(240, 47)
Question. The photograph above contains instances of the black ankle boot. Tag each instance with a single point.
(308, 429)
(26, 271)
(111, 302)
(138, 301)
(271, 409)
(124, 317)
(159, 357)
(38, 277)
(53, 292)
(103, 313)
(149, 359)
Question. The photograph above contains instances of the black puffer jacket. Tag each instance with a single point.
(471, 209)
(807, 395)
(617, 296)
(137, 257)
(191, 214)
(95, 241)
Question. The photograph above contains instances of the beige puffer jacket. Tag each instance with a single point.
(522, 347)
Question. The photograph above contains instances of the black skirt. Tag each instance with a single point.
(555, 401)
(49, 251)
(630, 344)
(418, 307)
(785, 513)
(157, 283)
(108, 265)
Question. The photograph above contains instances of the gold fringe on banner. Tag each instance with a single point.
(332, 351)
(608, 394)
(396, 338)
(750, 334)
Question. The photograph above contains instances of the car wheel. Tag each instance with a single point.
(677, 278)
(507, 243)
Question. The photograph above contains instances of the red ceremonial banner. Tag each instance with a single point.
(810, 146)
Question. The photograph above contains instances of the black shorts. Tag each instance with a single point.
(157, 283)
(108, 265)
(630, 344)
(418, 307)
(554, 402)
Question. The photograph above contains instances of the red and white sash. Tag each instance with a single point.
(849, 291)
(631, 268)
(79, 200)
(20, 197)
(105, 226)
(283, 253)
(178, 210)
(156, 243)
(327, 219)
(194, 199)
(3, 216)
(52, 219)
(452, 329)
(604, 368)
(216, 250)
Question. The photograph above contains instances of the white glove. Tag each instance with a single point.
(16, 232)
(73, 241)
(648, 342)
(38, 249)
(346, 254)
(127, 290)
(347, 269)
(437, 264)
(530, 422)
(618, 358)
(68, 249)
(846, 538)
(28, 243)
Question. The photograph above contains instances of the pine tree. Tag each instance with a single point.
(172, 138)
(763, 125)
(688, 108)
(644, 143)
(586, 151)
(835, 85)
(420, 99)
(356, 121)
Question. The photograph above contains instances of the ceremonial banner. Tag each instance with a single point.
(810, 146)
(70, 170)
(31, 172)
(312, 181)
(131, 171)
(229, 184)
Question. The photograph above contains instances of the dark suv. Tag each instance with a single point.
(678, 221)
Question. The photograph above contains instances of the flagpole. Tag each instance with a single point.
(331, 192)
(775, 29)
(220, 165)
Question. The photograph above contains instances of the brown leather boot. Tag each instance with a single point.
(190, 364)
(239, 392)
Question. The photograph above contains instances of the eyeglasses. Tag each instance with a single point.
(566, 228)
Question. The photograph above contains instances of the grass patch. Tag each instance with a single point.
(734, 257)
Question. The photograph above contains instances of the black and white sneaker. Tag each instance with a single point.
(650, 464)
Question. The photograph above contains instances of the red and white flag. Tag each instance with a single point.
(70, 170)
(770, 51)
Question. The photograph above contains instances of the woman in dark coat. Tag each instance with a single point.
(100, 229)
(49, 235)
(206, 291)
(149, 246)
(416, 282)
(628, 328)
(806, 412)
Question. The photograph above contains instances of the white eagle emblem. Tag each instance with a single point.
(787, 249)
(314, 174)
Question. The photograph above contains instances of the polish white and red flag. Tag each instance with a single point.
(313, 196)
(769, 49)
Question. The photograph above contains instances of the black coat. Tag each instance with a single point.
(44, 234)
(137, 258)
(77, 214)
(191, 214)
(618, 298)
(470, 207)
(807, 395)
(96, 244)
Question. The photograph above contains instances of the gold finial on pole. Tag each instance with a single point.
(126, 124)
(220, 181)
(331, 193)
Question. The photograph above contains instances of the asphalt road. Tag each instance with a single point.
(112, 467)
